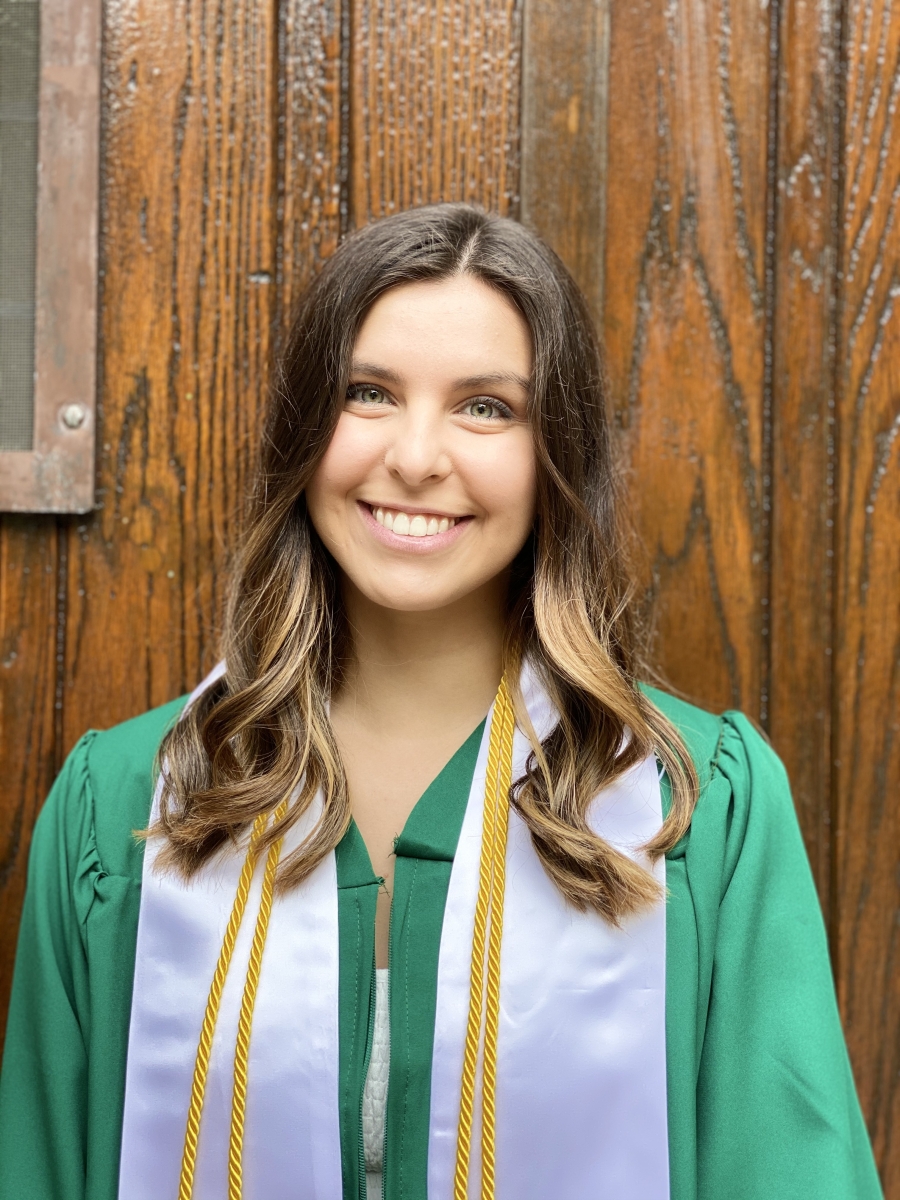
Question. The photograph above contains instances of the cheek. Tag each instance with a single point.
(351, 454)
(507, 481)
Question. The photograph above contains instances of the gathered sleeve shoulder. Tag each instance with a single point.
(42, 1116)
(63, 1078)
(776, 1107)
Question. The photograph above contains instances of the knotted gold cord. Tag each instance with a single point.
(488, 910)
(210, 1016)
(488, 933)
(492, 1012)
(245, 1020)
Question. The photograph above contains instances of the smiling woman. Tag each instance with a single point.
(420, 444)
(424, 497)
(438, 897)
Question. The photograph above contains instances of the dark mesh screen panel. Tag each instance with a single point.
(19, 67)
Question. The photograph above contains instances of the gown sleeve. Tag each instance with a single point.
(44, 1079)
(777, 1111)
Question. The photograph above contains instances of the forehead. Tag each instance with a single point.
(459, 325)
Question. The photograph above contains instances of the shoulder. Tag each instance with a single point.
(104, 792)
(744, 788)
(701, 731)
(727, 743)
(125, 755)
(122, 769)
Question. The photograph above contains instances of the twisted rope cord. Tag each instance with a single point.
(492, 1010)
(489, 907)
(245, 1020)
(492, 848)
(476, 983)
(210, 1016)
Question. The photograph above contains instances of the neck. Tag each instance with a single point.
(417, 670)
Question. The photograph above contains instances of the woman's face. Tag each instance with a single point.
(427, 490)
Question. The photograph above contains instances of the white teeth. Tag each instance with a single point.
(404, 525)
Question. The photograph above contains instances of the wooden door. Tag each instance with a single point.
(723, 179)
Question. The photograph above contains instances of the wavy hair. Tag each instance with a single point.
(262, 731)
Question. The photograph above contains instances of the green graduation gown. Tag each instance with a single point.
(761, 1099)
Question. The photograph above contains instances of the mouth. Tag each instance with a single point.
(417, 530)
(415, 524)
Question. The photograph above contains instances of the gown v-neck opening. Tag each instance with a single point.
(424, 853)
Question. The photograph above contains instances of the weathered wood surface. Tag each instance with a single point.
(29, 644)
(684, 323)
(565, 83)
(804, 207)
(867, 580)
(434, 104)
(188, 258)
(724, 186)
(312, 148)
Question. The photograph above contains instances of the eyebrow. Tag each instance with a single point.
(477, 381)
(372, 369)
(469, 381)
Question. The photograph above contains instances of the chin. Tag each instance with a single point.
(413, 602)
(424, 596)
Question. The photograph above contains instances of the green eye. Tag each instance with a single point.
(366, 393)
(487, 410)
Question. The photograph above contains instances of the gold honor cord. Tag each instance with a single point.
(488, 934)
(210, 1016)
(488, 930)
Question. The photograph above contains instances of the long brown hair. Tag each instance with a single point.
(262, 731)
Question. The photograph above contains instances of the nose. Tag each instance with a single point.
(417, 453)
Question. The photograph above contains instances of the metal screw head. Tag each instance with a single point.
(73, 416)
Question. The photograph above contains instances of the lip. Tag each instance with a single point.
(430, 544)
(412, 510)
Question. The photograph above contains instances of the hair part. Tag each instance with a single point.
(262, 732)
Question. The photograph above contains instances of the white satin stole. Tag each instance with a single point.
(581, 1081)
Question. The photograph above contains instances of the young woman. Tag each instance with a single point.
(437, 899)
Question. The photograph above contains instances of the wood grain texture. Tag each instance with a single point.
(565, 79)
(867, 586)
(684, 324)
(29, 644)
(188, 260)
(311, 177)
(434, 106)
(803, 428)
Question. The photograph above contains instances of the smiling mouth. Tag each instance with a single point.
(416, 525)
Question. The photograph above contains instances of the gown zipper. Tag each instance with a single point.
(390, 1047)
(363, 1186)
(387, 1094)
(370, 1038)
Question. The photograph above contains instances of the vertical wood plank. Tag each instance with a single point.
(685, 324)
(803, 415)
(28, 673)
(188, 261)
(434, 104)
(867, 648)
(310, 140)
(565, 78)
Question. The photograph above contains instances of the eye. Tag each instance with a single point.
(483, 408)
(367, 394)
